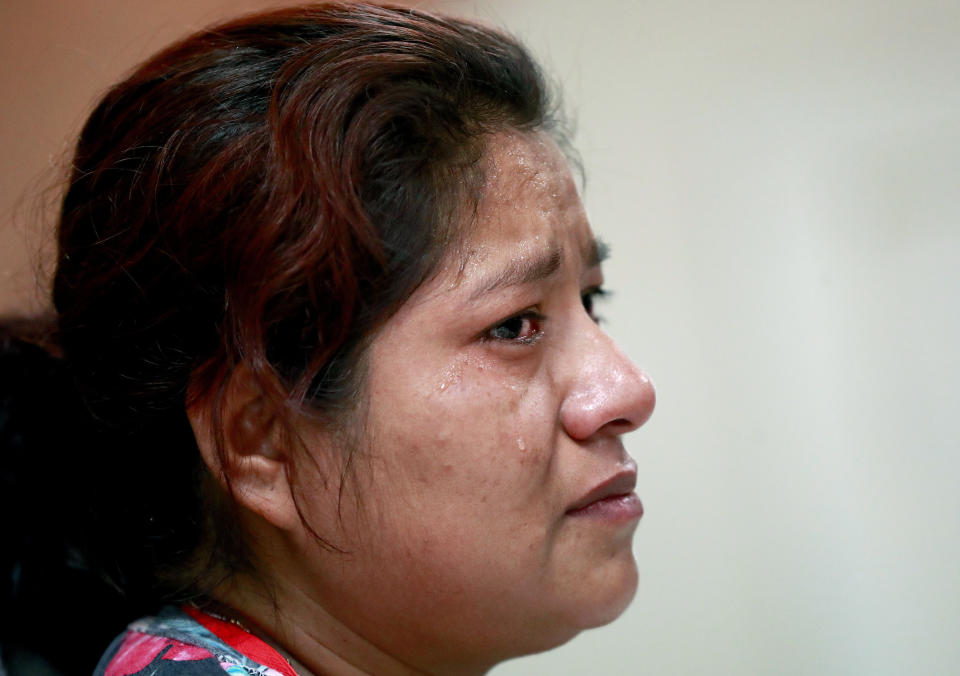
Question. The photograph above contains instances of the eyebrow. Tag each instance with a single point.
(543, 265)
(595, 253)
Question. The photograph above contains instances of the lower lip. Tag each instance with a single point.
(617, 508)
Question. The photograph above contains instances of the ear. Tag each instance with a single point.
(252, 456)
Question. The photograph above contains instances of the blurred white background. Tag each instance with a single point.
(779, 181)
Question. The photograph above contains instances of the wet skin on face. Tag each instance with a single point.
(494, 405)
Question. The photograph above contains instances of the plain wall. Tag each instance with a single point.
(781, 185)
(779, 181)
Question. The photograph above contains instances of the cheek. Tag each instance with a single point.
(442, 406)
(480, 426)
(458, 452)
(458, 455)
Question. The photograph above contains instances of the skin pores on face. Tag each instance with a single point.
(495, 404)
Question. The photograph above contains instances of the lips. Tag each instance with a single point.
(615, 492)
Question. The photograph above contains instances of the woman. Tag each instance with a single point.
(325, 289)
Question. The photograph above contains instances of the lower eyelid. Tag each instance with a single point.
(537, 335)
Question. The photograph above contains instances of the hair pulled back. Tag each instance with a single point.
(264, 194)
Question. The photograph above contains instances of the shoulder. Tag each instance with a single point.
(174, 643)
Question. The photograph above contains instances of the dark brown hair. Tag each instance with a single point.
(267, 193)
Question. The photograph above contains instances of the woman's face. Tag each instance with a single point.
(472, 516)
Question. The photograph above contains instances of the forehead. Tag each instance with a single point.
(529, 202)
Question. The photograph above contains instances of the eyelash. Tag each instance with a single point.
(513, 326)
(590, 298)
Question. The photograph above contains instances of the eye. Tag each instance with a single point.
(590, 297)
(524, 328)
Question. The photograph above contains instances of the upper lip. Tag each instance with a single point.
(621, 483)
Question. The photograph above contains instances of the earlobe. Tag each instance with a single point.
(246, 454)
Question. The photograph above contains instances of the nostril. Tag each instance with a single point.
(621, 426)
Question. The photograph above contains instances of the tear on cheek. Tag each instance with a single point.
(524, 451)
(463, 367)
(449, 378)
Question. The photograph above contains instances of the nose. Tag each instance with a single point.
(609, 394)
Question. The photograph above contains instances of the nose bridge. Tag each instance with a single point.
(607, 391)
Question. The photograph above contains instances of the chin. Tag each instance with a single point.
(606, 602)
(593, 599)
(610, 594)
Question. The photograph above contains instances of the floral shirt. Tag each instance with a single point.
(189, 642)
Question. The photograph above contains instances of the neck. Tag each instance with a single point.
(301, 630)
(322, 618)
